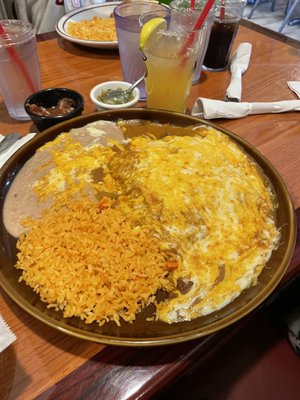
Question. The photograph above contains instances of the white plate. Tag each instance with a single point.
(100, 10)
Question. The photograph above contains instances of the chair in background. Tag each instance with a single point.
(288, 18)
(257, 3)
(291, 7)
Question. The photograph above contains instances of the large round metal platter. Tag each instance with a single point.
(141, 332)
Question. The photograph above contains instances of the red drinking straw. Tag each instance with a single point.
(197, 26)
(12, 52)
(222, 10)
(193, 4)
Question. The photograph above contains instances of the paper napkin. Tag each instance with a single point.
(7, 337)
(12, 149)
(295, 87)
(292, 320)
(238, 66)
(209, 109)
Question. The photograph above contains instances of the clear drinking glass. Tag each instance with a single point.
(192, 16)
(170, 58)
(128, 32)
(19, 66)
(228, 14)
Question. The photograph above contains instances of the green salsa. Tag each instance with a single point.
(115, 100)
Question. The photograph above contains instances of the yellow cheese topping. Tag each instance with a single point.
(204, 198)
(212, 205)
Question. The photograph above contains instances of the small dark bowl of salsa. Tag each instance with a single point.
(51, 106)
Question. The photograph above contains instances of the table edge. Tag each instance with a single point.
(244, 22)
(269, 32)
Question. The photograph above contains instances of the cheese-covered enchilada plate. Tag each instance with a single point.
(144, 227)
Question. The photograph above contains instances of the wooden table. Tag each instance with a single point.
(46, 364)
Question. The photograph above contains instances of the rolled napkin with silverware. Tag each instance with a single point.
(211, 109)
(10, 143)
(238, 66)
(7, 337)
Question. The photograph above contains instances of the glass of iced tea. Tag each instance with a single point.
(227, 17)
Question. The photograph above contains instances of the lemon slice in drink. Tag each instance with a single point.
(150, 28)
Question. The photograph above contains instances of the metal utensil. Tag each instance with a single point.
(8, 141)
(120, 96)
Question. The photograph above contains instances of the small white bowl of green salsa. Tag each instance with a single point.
(97, 92)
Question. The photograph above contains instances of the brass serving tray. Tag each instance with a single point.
(143, 333)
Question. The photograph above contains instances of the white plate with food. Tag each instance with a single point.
(91, 26)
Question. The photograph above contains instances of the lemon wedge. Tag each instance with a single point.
(151, 27)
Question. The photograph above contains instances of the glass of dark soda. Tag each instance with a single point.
(227, 17)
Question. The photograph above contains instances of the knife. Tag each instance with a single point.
(239, 65)
(8, 141)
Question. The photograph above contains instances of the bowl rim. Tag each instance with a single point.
(72, 113)
(106, 106)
